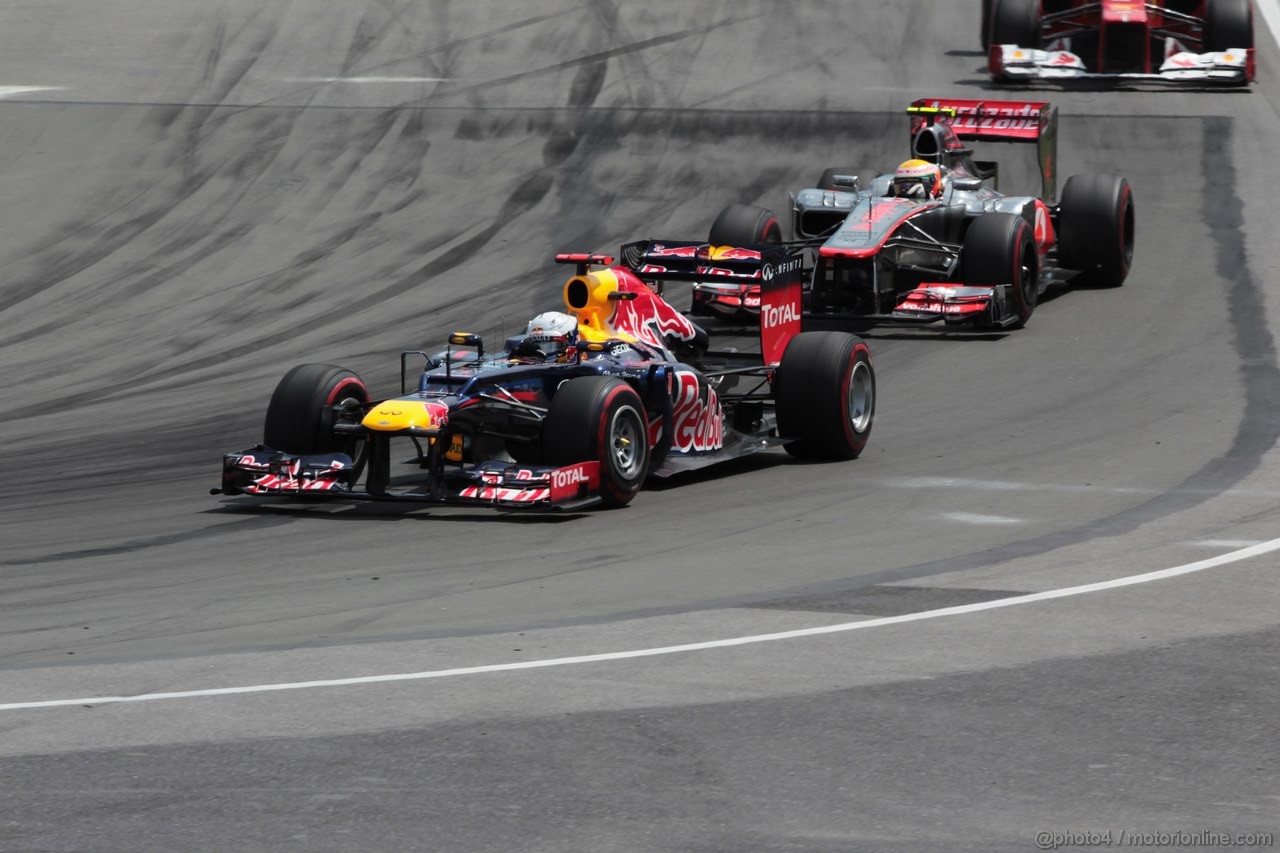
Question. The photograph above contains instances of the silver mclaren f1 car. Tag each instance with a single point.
(936, 240)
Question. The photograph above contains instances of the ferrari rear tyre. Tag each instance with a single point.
(864, 176)
(600, 418)
(745, 225)
(1096, 228)
(1015, 22)
(306, 405)
(1000, 248)
(825, 391)
(1228, 24)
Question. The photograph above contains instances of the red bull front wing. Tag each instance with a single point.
(265, 472)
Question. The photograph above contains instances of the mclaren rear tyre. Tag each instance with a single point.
(1228, 25)
(864, 176)
(738, 225)
(599, 418)
(1000, 248)
(745, 225)
(1015, 22)
(306, 405)
(1096, 228)
(825, 391)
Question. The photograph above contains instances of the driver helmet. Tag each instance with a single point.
(917, 179)
(552, 331)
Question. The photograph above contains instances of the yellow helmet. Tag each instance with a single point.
(917, 179)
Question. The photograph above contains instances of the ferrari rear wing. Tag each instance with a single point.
(777, 269)
(997, 121)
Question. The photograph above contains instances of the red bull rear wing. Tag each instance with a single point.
(778, 271)
(680, 261)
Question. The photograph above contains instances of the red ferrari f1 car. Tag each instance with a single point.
(580, 409)
(1175, 41)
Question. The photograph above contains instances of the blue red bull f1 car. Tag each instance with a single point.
(579, 417)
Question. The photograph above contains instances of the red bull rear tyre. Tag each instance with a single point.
(825, 391)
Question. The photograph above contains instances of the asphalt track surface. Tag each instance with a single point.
(201, 195)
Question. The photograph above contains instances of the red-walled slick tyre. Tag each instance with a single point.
(738, 225)
(825, 391)
(1000, 248)
(745, 225)
(603, 419)
(307, 403)
(1096, 228)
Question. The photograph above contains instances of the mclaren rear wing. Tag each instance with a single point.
(998, 121)
(777, 269)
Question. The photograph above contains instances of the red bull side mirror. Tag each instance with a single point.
(461, 339)
(467, 339)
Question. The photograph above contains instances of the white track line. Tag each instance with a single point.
(7, 91)
(963, 484)
(1131, 580)
(1225, 543)
(975, 518)
(368, 79)
(1270, 10)
(1010, 486)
